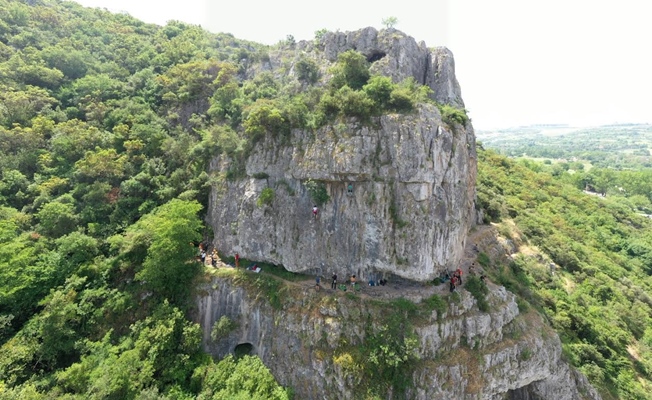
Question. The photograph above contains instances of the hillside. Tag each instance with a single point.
(124, 146)
(104, 146)
(582, 260)
(107, 128)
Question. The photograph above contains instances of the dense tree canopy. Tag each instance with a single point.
(106, 128)
(600, 296)
(107, 125)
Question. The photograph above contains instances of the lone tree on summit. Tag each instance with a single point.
(389, 22)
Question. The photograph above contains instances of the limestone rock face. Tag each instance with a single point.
(400, 202)
(407, 211)
(399, 56)
(462, 353)
(401, 189)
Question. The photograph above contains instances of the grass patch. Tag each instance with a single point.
(271, 288)
(408, 308)
(484, 260)
(279, 271)
(479, 290)
(351, 296)
(271, 269)
(266, 197)
(436, 303)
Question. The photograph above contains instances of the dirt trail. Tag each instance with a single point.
(411, 290)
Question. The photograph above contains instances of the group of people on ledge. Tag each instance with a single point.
(353, 281)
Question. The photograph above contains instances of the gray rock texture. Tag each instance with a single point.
(413, 176)
(462, 353)
(407, 215)
(413, 180)
(394, 54)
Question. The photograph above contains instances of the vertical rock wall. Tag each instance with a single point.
(410, 208)
(462, 353)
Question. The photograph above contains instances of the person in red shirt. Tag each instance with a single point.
(237, 260)
(459, 275)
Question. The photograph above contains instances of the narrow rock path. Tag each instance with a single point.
(414, 291)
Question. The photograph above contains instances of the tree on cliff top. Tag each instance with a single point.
(352, 69)
(390, 22)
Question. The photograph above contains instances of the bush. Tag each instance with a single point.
(379, 90)
(354, 103)
(266, 197)
(307, 71)
(401, 100)
(222, 327)
(264, 116)
(479, 290)
(436, 303)
(317, 191)
(352, 69)
(452, 115)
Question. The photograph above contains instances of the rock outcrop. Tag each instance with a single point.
(400, 201)
(462, 353)
(401, 189)
(407, 212)
(394, 54)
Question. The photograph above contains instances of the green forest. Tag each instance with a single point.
(107, 127)
(598, 296)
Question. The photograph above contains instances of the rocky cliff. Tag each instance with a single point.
(400, 204)
(401, 189)
(317, 342)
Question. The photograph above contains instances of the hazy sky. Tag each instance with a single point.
(580, 62)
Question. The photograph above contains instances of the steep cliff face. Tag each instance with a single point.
(407, 212)
(400, 202)
(462, 353)
(401, 189)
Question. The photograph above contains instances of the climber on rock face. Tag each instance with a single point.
(314, 211)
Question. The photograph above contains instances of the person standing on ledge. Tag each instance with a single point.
(334, 281)
(237, 260)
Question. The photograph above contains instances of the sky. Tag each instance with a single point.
(519, 62)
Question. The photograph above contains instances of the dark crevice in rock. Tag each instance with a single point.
(375, 56)
(522, 393)
(426, 70)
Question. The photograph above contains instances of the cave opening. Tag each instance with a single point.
(375, 56)
(522, 393)
(243, 349)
